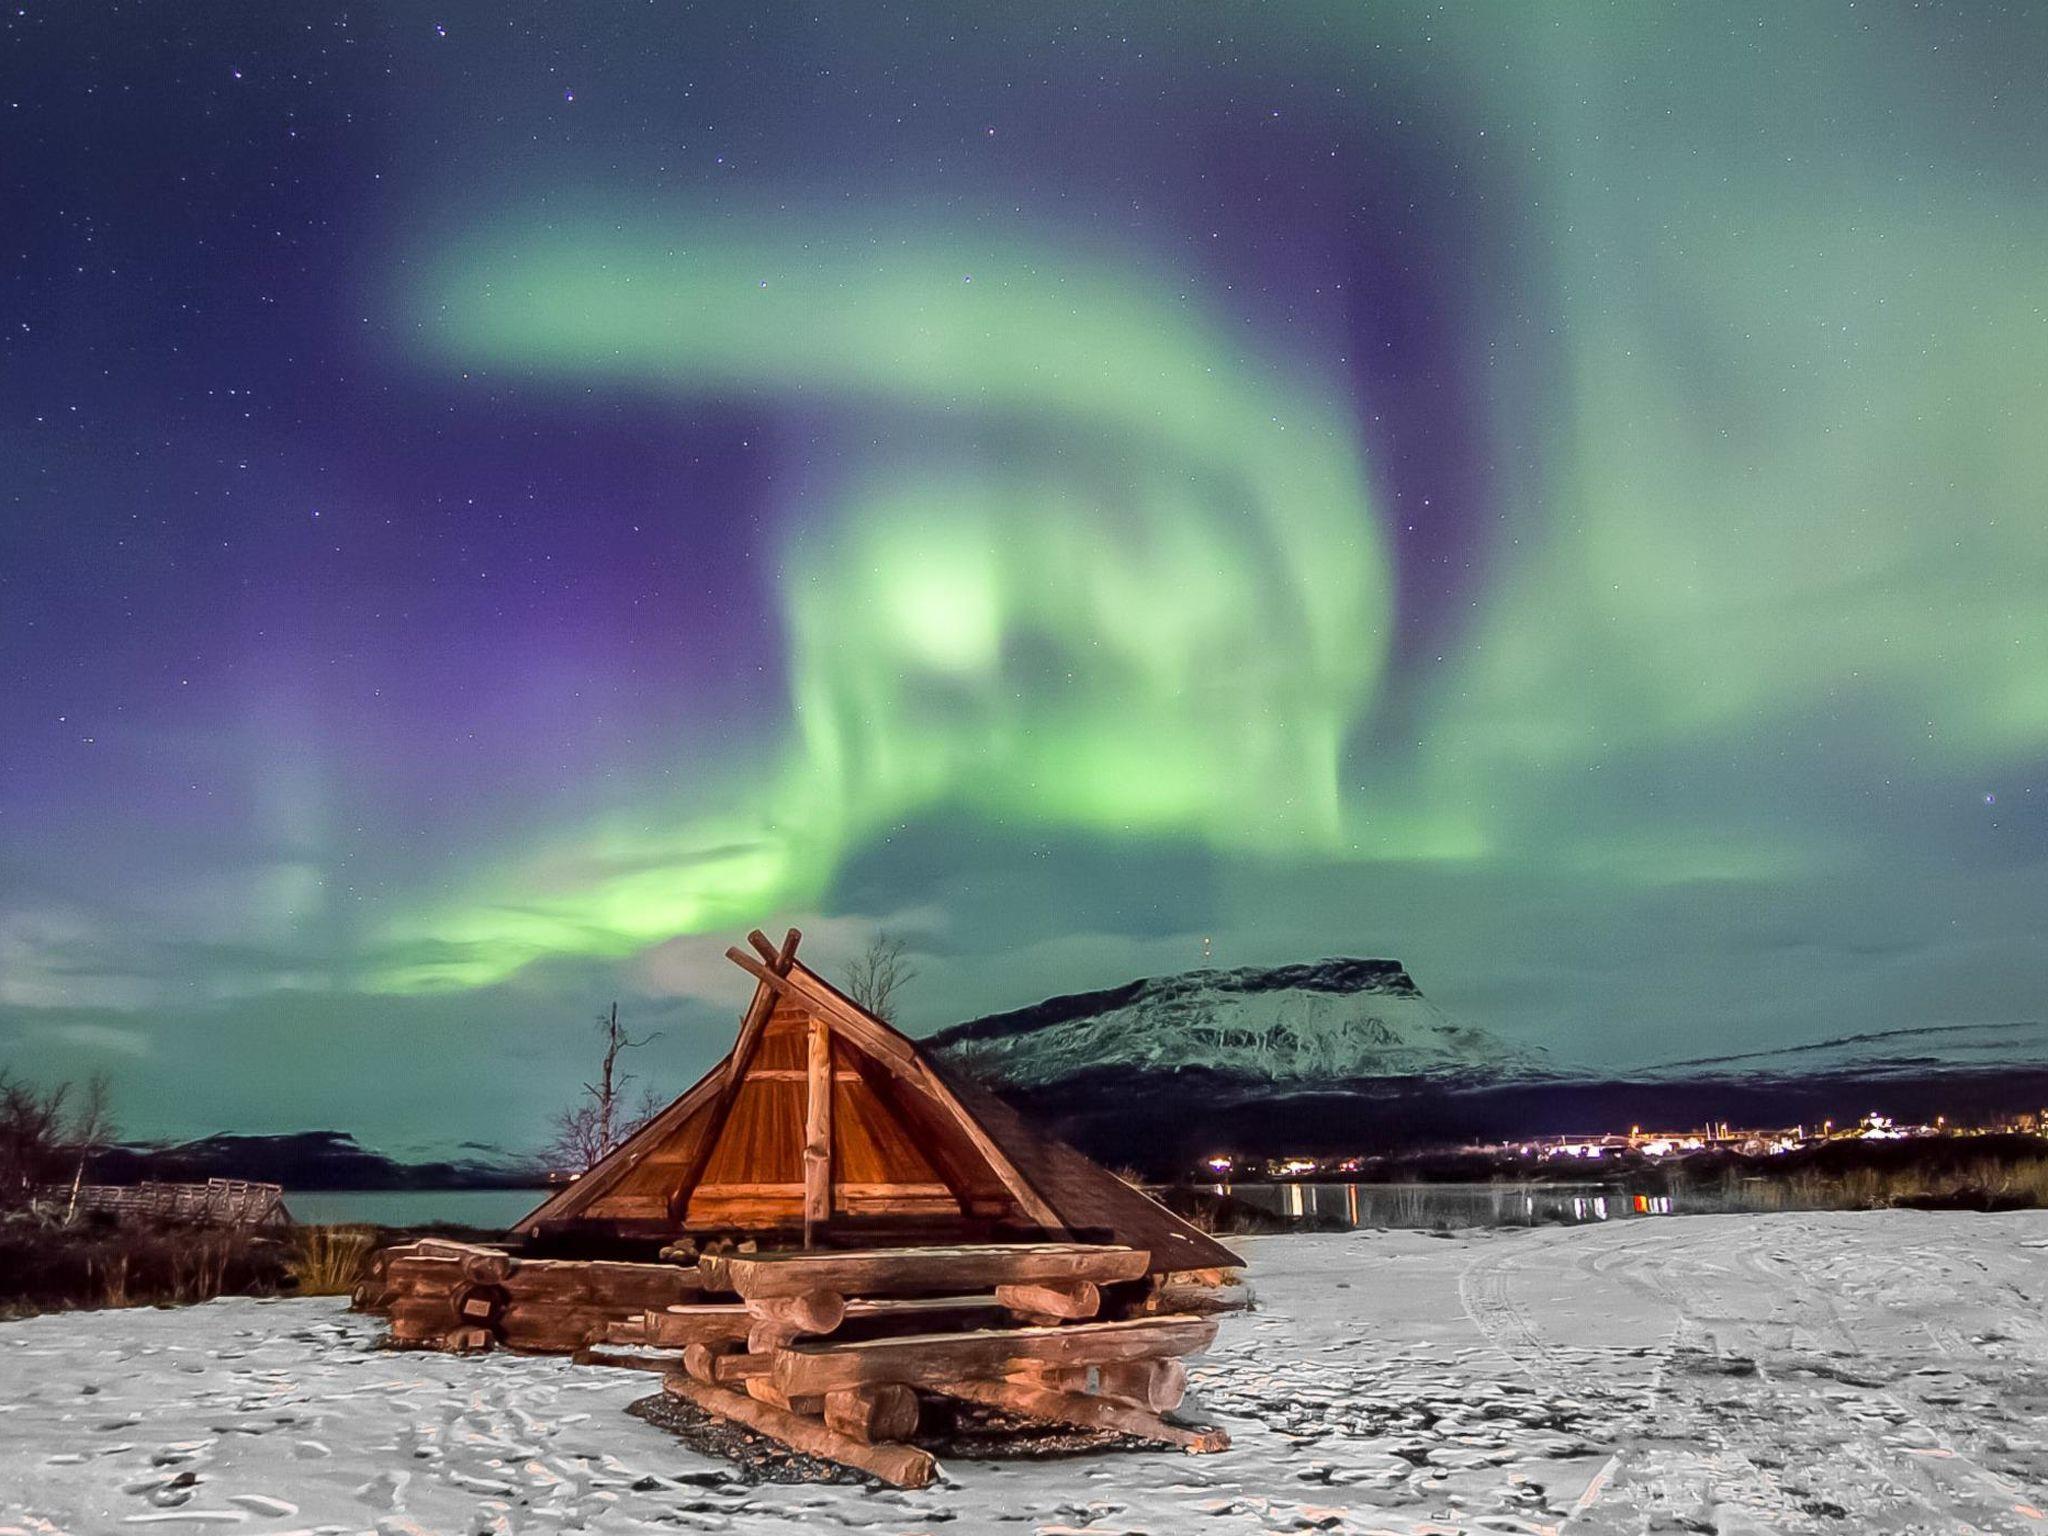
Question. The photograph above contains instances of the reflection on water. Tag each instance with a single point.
(1449, 1205)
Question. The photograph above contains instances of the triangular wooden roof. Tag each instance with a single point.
(894, 1146)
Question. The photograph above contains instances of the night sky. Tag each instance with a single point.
(497, 501)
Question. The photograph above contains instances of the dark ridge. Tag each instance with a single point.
(1340, 975)
(301, 1160)
(1933, 1033)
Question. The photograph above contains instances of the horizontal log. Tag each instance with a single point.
(1053, 1378)
(478, 1262)
(901, 1466)
(874, 1271)
(1079, 1299)
(710, 1321)
(424, 1309)
(724, 1366)
(478, 1304)
(873, 1415)
(419, 1272)
(663, 1361)
(762, 1390)
(1176, 1295)
(552, 1327)
(930, 1358)
(604, 1283)
(813, 1312)
(675, 1327)
(1158, 1385)
(1089, 1412)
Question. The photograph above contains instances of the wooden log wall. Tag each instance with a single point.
(431, 1289)
(832, 1352)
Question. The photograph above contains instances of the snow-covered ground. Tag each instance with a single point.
(1841, 1373)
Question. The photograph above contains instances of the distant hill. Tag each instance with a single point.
(308, 1160)
(1347, 1055)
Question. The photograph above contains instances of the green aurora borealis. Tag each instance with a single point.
(1551, 493)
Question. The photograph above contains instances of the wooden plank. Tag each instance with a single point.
(881, 1271)
(932, 1358)
(818, 1133)
(798, 1075)
(901, 1466)
(1089, 1412)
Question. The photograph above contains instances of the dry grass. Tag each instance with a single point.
(328, 1261)
(1985, 1182)
(45, 1265)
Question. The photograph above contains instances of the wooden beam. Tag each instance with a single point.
(770, 979)
(765, 949)
(881, 1271)
(818, 1133)
(1091, 1412)
(901, 1466)
(928, 1359)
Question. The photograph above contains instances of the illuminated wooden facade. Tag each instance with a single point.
(825, 1127)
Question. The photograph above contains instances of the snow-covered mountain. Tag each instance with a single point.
(1325, 1024)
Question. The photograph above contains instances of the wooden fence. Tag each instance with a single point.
(217, 1202)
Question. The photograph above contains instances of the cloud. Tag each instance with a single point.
(99, 1037)
(694, 966)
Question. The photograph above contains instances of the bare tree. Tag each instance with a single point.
(31, 1132)
(48, 1135)
(92, 1128)
(587, 1131)
(878, 973)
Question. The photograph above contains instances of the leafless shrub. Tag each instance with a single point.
(878, 973)
(587, 1131)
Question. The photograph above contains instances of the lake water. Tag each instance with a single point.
(1352, 1205)
(1450, 1205)
(413, 1207)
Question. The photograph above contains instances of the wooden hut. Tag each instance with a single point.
(842, 1233)
(825, 1127)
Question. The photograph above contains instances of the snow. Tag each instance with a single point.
(1742, 1374)
(1328, 1022)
